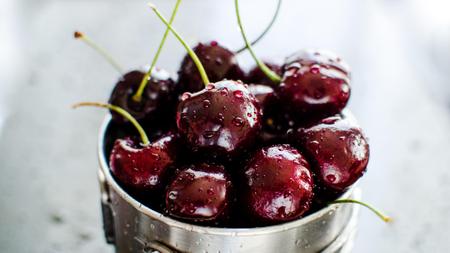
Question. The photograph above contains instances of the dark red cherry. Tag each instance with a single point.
(220, 119)
(219, 63)
(314, 84)
(159, 97)
(338, 151)
(199, 193)
(276, 119)
(261, 92)
(256, 76)
(278, 184)
(143, 168)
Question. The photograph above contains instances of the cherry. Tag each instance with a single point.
(158, 100)
(222, 118)
(132, 91)
(278, 184)
(257, 76)
(199, 193)
(219, 62)
(315, 84)
(141, 166)
(338, 151)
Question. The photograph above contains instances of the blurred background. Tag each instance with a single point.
(399, 51)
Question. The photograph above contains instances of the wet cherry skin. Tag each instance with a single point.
(159, 97)
(338, 152)
(278, 184)
(199, 193)
(315, 84)
(221, 119)
(219, 63)
(143, 168)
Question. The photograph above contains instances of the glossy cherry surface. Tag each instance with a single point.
(222, 118)
(315, 84)
(159, 97)
(199, 193)
(219, 63)
(143, 168)
(338, 152)
(278, 184)
(256, 76)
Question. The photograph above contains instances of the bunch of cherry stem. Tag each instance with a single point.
(269, 73)
(276, 78)
(138, 96)
(266, 70)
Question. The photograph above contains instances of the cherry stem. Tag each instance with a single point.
(191, 53)
(266, 70)
(385, 218)
(122, 112)
(81, 36)
(138, 96)
(274, 18)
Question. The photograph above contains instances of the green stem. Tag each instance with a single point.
(191, 53)
(123, 113)
(353, 201)
(266, 70)
(138, 96)
(274, 18)
(100, 50)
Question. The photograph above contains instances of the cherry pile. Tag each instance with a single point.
(229, 148)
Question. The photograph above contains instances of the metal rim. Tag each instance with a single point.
(104, 167)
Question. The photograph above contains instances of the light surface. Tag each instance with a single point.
(399, 52)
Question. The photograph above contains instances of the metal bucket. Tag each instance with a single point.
(133, 227)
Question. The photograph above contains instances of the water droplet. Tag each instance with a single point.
(238, 121)
(210, 86)
(220, 117)
(173, 195)
(210, 191)
(238, 93)
(214, 43)
(224, 92)
(206, 103)
(156, 156)
(185, 96)
(208, 134)
(331, 178)
(315, 69)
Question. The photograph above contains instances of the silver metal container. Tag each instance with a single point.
(133, 227)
